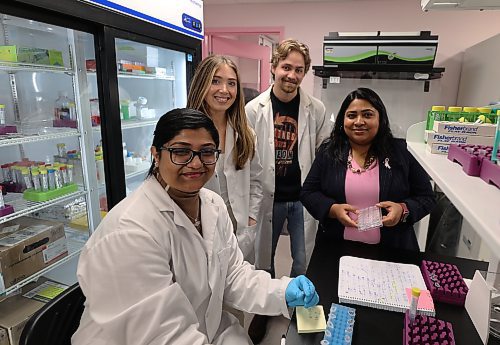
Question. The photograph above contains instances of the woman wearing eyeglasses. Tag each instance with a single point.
(165, 259)
(216, 90)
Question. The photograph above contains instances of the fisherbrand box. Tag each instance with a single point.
(448, 127)
(28, 245)
(442, 138)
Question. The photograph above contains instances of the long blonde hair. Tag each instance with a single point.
(200, 84)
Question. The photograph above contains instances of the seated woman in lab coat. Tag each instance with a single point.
(163, 261)
(216, 90)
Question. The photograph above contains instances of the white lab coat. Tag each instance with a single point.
(314, 127)
(244, 190)
(151, 278)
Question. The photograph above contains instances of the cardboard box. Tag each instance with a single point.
(438, 148)
(15, 312)
(441, 138)
(55, 58)
(9, 54)
(34, 245)
(33, 55)
(448, 127)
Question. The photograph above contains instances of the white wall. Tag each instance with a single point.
(309, 22)
(480, 77)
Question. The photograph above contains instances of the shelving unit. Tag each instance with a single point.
(12, 67)
(127, 124)
(126, 75)
(29, 91)
(477, 201)
(18, 139)
(24, 207)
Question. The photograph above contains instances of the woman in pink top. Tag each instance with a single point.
(363, 165)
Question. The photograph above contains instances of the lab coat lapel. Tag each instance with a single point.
(209, 217)
(385, 177)
(304, 114)
(229, 146)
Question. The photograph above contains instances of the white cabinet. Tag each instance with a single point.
(478, 202)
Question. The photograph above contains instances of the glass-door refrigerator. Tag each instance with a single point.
(49, 204)
(81, 90)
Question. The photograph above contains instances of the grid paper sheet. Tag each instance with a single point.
(378, 284)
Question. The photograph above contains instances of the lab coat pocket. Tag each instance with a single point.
(246, 239)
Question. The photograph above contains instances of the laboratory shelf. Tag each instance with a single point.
(23, 207)
(136, 173)
(11, 67)
(129, 176)
(128, 75)
(17, 138)
(477, 201)
(127, 124)
(74, 249)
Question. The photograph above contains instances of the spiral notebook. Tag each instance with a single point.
(380, 284)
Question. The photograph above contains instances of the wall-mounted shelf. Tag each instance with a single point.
(474, 199)
(378, 72)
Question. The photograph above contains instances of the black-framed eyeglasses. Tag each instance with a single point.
(183, 155)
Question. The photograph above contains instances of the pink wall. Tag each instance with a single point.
(309, 22)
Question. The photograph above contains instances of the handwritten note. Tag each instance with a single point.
(378, 284)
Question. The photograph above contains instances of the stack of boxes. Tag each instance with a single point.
(32, 55)
(472, 126)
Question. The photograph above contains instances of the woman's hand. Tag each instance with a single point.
(341, 213)
(394, 213)
(251, 221)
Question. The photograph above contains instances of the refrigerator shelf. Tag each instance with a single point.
(140, 76)
(23, 207)
(16, 138)
(74, 249)
(127, 124)
(11, 67)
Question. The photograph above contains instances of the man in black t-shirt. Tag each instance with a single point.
(290, 125)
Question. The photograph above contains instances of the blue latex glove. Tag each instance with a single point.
(301, 292)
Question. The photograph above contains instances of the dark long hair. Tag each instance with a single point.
(338, 143)
(174, 121)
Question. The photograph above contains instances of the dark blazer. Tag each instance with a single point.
(402, 179)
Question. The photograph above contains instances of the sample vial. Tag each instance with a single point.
(35, 176)
(2, 203)
(44, 179)
(2, 114)
(51, 178)
(69, 169)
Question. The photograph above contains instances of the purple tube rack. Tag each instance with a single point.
(469, 157)
(4, 129)
(490, 173)
(7, 209)
(427, 330)
(444, 282)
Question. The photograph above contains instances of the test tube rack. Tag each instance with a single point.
(427, 330)
(340, 325)
(470, 157)
(444, 282)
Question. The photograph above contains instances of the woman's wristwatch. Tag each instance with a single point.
(405, 214)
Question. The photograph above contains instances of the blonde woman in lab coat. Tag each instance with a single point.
(164, 260)
(216, 90)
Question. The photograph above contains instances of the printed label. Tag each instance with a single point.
(54, 250)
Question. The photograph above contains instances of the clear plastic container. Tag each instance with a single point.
(64, 107)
